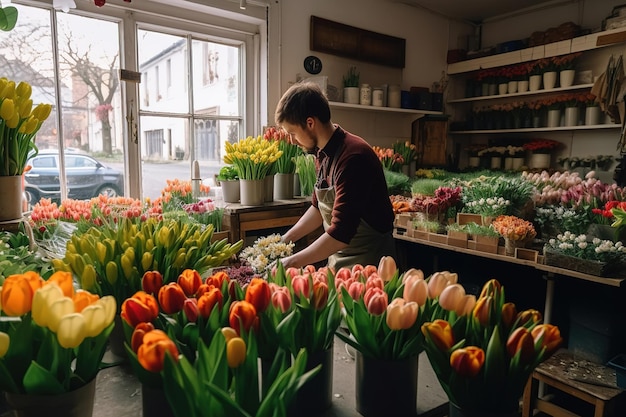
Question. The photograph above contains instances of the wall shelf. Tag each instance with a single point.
(536, 129)
(578, 44)
(524, 94)
(338, 105)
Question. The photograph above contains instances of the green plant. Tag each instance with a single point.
(429, 226)
(305, 168)
(397, 183)
(426, 186)
(351, 79)
(228, 173)
(8, 18)
(455, 227)
(476, 229)
(506, 195)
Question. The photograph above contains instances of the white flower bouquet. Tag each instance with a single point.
(265, 250)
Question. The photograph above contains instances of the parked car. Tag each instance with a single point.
(86, 177)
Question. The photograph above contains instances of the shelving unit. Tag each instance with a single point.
(536, 129)
(541, 92)
(337, 105)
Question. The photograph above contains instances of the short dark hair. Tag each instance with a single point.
(301, 101)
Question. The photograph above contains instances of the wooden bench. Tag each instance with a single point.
(577, 377)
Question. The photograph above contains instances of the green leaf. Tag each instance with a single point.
(8, 18)
(231, 408)
(38, 380)
(6, 380)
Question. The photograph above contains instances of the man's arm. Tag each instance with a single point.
(321, 249)
(309, 222)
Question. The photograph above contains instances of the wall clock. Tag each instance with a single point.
(312, 64)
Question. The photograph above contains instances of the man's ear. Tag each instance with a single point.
(310, 122)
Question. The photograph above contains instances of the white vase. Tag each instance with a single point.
(517, 163)
(539, 161)
(549, 80)
(513, 85)
(231, 191)
(351, 95)
(554, 118)
(592, 115)
(571, 116)
(283, 186)
(496, 162)
(534, 82)
(493, 89)
(566, 78)
(473, 161)
(502, 88)
(252, 192)
(508, 163)
(522, 86)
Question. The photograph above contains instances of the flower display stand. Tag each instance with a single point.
(585, 266)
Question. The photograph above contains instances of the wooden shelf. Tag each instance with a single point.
(524, 94)
(579, 44)
(536, 129)
(337, 105)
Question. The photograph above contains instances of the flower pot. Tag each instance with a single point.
(117, 339)
(296, 185)
(510, 245)
(592, 115)
(536, 121)
(522, 86)
(76, 403)
(539, 161)
(12, 198)
(484, 89)
(493, 89)
(554, 118)
(268, 192)
(496, 162)
(283, 186)
(508, 163)
(154, 402)
(549, 80)
(395, 381)
(231, 191)
(473, 162)
(512, 87)
(517, 163)
(503, 88)
(252, 192)
(571, 116)
(316, 395)
(456, 411)
(534, 82)
(351, 95)
(566, 78)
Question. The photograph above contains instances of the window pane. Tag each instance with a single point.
(216, 79)
(163, 64)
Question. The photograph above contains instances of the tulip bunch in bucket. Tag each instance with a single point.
(52, 337)
(484, 354)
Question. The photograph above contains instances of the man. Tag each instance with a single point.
(350, 198)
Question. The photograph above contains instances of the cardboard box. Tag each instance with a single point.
(438, 238)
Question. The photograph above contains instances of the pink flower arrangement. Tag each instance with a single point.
(444, 198)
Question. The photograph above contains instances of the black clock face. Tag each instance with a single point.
(312, 64)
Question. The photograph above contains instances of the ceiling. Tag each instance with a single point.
(478, 10)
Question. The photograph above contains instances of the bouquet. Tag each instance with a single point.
(265, 251)
(305, 168)
(407, 150)
(542, 145)
(514, 228)
(253, 157)
(285, 164)
(389, 158)
(19, 123)
(52, 338)
(483, 357)
(176, 194)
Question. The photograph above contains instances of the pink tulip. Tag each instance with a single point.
(320, 295)
(356, 289)
(375, 300)
(190, 308)
(369, 270)
(343, 273)
(466, 306)
(292, 272)
(387, 268)
(301, 288)
(451, 297)
(401, 314)
(415, 289)
(374, 282)
(281, 299)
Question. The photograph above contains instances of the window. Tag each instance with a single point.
(171, 117)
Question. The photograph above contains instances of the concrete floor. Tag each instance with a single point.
(118, 393)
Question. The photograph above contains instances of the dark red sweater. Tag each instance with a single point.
(360, 187)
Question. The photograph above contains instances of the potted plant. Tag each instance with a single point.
(351, 86)
(228, 179)
(285, 166)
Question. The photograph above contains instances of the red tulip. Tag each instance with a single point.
(320, 295)
(258, 293)
(521, 340)
(171, 298)
(301, 288)
(138, 334)
(242, 316)
(375, 300)
(190, 308)
(208, 300)
(467, 361)
(151, 282)
(189, 280)
(141, 307)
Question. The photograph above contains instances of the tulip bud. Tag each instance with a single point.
(95, 320)
(436, 283)
(401, 314)
(521, 341)
(451, 297)
(530, 315)
(111, 272)
(440, 332)
(242, 316)
(369, 270)
(208, 300)
(235, 352)
(217, 279)
(7, 109)
(374, 281)
(138, 334)
(482, 310)
(151, 282)
(190, 308)
(387, 268)
(356, 289)
(16, 296)
(375, 300)
(151, 353)
(466, 305)
(415, 289)
(189, 280)
(281, 299)
(71, 330)
(320, 295)
(491, 288)
(301, 287)
(141, 307)
(5, 343)
(65, 282)
(509, 314)
(88, 277)
(258, 293)
(110, 307)
(171, 298)
(229, 333)
(467, 361)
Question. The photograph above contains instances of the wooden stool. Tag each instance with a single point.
(588, 381)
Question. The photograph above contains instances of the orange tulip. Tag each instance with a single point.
(320, 295)
(547, 336)
(242, 316)
(530, 315)
(82, 299)
(151, 353)
(189, 280)
(521, 340)
(190, 308)
(217, 279)
(151, 282)
(482, 310)
(209, 300)
(509, 314)
(17, 295)
(258, 293)
(34, 280)
(440, 332)
(138, 334)
(171, 298)
(375, 300)
(401, 314)
(65, 281)
(141, 307)
(467, 361)
(491, 288)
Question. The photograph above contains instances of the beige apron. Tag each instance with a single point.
(366, 247)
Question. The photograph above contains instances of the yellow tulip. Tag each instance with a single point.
(88, 277)
(72, 330)
(57, 310)
(23, 90)
(30, 126)
(42, 300)
(8, 91)
(235, 352)
(26, 106)
(5, 342)
(229, 333)
(95, 320)
(110, 307)
(7, 108)
(42, 111)
(13, 121)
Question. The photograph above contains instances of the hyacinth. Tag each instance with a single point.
(444, 198)
(579, 246)
(264, 251)
(253, 157)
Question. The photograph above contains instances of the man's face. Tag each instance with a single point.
(303, 136)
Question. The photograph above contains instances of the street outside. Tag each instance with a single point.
(156, 174)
